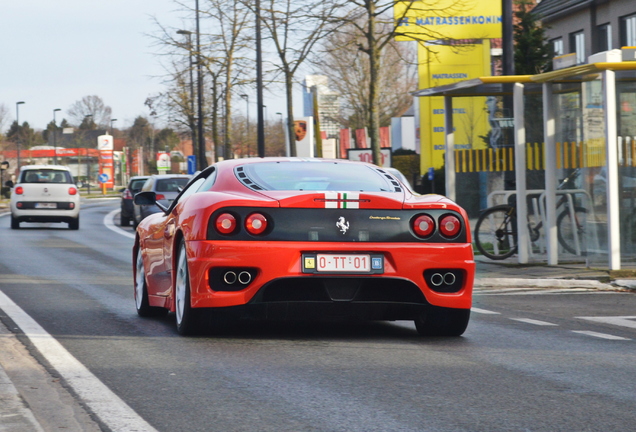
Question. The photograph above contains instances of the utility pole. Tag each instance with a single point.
(260, 130)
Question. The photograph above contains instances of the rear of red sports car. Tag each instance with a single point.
(299, 239)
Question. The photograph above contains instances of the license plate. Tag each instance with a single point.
(342, 263)
(45, 205)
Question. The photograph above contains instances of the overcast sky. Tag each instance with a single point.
(53, 53)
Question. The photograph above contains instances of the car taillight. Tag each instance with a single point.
(225, 223)
(424, 225)
(72, 191)
(19, 190)
(256, 223)
(449, 226)
(127, 194)
(160, 197)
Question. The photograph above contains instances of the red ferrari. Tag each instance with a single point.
(286, 238)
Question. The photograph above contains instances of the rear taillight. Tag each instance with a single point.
(424, 225)
(449, 226)
(256, 224)
(160, 197)
(126, 194)
(19, 190)
(225, 223)
(72, 191)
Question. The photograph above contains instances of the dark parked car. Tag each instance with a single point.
(166, 186)
(127, 195)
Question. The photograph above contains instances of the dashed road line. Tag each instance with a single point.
(622, 321)
(484, 311)
(533, 322)
(599, 335)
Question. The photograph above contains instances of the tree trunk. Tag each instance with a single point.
(374, 66)
(291, 134)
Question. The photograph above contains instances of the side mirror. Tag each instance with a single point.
(145, 198)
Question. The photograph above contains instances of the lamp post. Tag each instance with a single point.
(17, 121)
(191, 116)
(247, 135)
(111, 125)
(55, 136)
(260, 130)
(202, 159)
(88, 165)
(282, 126)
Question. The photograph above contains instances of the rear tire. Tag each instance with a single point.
(123, 220)
(14, 223)
(439, 321)
(74, 224)
(186, 316)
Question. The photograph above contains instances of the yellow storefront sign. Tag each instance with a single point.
(441, 65)
(447, 19)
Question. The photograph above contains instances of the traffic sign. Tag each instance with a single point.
(192, 164)
(103, 178)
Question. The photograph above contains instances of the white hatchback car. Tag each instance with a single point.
(45, 193)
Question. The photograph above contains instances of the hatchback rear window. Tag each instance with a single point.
(46, 176)
(171, 184)
(316, 176)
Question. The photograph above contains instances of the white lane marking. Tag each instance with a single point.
(599, 335)
(110, 224)
(484, 311)
(5, 214)
(106, 405)
(534, 322)
(623, 321)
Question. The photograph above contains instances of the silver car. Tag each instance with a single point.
(166, 186)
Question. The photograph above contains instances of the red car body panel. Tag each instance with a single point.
(159, 236)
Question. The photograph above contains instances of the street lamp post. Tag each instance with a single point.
(260, 130)
(88, 164)
(111, 125)
(17, 121)
(55, 136)
(284, 134)
(247, 135)
(202, 160)
(191, 116)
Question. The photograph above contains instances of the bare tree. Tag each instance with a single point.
(294, 27)
(376, 26)
(93, 106)
(226, 56)
(347, 67)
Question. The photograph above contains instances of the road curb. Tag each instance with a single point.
(542, 283)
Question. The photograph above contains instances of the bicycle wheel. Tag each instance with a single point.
(567, 229)
(496, 232)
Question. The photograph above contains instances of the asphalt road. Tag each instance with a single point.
(530, 360)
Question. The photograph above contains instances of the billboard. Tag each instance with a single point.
(441, 65)
(447, 19)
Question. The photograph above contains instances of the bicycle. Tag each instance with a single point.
(496, 228)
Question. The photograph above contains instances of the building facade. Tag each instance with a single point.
(585, 27)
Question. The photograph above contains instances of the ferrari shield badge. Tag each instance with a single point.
(342, 225)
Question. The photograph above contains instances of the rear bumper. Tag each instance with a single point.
(35, 215)
(279, 283)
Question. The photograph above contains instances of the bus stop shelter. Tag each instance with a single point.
(581, 106)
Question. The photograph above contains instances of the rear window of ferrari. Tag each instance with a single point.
(316, 176)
